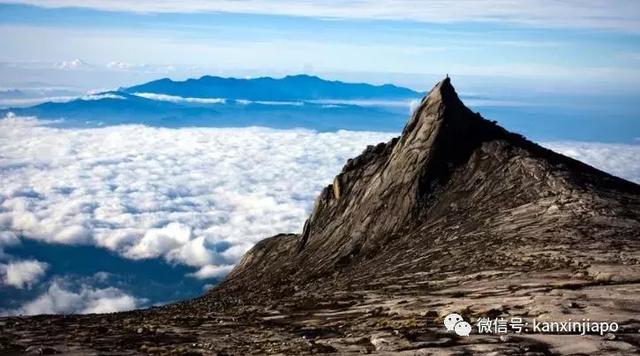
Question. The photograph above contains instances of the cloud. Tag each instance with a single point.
(35, 101)
(180, 99)
(410, 104)
(100, 96)
(207, 272)
(84, 66)
(283, 54)
(12, 103)
(192, 196)
(120, 65)
(28, 95)
(618, 159)
(73, 64)
(8, 238)
(159, 242)
(266, 102)
(59, 299)
(38, 95)
(148, 68)
(21, 274)
(617, 15)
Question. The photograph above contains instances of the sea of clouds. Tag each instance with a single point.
(194, 196)
(65, 295)
(199, 197)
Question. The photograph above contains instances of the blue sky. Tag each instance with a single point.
(537, 45)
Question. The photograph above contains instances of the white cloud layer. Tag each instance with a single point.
(618, 159)
(194, 196)
(180, 99)
(209, 271)
(600, 14)
(60, 300)
(21, 274)
(72, 64)
(410, 104)
(100, 96)
(13, 103)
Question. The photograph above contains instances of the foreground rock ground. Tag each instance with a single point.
(455, 215)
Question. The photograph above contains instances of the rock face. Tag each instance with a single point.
(454, 192)
(455, 215)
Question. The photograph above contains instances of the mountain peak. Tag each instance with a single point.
(445, 93)
(302, 76)
(397, 179)
(443, 90)
(441, 102)
(448, 161)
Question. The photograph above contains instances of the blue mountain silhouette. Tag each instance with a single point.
(294, 87)
(291, 102)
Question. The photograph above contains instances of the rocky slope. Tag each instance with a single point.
(455, 215)
(453, 193)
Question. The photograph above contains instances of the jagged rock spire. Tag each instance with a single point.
(449, 175)
(376, 193)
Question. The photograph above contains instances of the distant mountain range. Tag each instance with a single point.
(303, 101)
(12, 94)
(299, 101)
(293, 87)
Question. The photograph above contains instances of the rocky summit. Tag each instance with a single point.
(457, 215)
